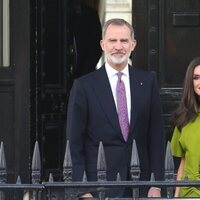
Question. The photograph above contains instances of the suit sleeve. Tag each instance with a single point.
(76, 126)
(156, 135)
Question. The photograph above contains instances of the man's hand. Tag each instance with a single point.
(154, 192)
(86, 196)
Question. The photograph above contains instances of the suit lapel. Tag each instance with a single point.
(104, 94)
(133, 90)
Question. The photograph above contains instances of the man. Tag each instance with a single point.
(94, 115)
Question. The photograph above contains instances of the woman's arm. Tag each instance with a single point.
(179, 175)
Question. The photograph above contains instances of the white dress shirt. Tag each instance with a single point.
(112, 77)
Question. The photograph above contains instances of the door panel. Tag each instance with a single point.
(181, 41)
(167, 34)
(50, 85)
(52, 70)
(181, 38)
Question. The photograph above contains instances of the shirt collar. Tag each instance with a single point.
(112, 72)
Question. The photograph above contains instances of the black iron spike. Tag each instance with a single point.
(118, 177)
(186, 177)
(135, 163)
(152, 177)
(2, 164)
(169, 162)
(169, 169)
(2, 157)
(101, 163)
(51, 178)
(135, 169)
(18, 180)
(67, 164)
(36, 164)
(84, 177)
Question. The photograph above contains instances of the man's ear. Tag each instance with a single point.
(102, 44)
(134, 43)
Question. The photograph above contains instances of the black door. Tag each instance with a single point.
(168, 35)
(57, 55)
(50, 83)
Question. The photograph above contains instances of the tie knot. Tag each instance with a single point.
(119, 74)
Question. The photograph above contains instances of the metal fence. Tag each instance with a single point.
(72, 190)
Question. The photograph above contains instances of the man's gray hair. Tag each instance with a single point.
(118, 22)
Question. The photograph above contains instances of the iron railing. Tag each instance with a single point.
(69, 190)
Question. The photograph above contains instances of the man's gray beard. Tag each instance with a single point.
(118, 60)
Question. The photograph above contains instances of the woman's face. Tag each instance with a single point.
(196, 80)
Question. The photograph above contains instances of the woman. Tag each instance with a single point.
(185, 141)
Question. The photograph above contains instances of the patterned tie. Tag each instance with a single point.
(122, 106)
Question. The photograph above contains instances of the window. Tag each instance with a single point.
(4, 33)
(119, 9)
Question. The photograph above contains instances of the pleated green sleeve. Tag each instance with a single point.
(176, 147)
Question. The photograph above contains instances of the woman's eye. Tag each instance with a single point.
(196, 77)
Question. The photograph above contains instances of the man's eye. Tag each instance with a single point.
(124, 41)
(112, 40)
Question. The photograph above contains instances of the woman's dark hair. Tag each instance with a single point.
(188, 107)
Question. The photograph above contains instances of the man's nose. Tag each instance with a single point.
(118, 45)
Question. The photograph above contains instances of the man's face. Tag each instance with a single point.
(117, 45)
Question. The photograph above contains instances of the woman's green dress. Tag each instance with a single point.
(187, 143)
